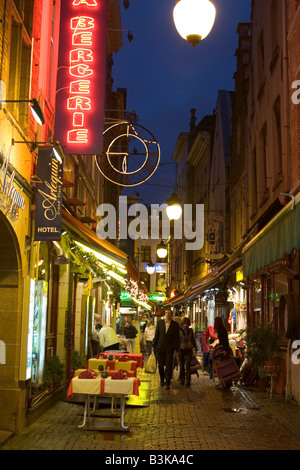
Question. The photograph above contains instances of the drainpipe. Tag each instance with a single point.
(286, 107)
(3, 40)
(69, 317)
(286, 122)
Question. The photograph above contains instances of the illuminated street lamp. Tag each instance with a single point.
(34, 106)
(150, 268)
(162, 250)
(174, 209)
(194, 19)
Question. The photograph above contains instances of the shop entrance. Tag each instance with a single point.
(10, 326)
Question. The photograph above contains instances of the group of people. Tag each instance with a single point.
(167, 340)
(171, 338)
(105, 338)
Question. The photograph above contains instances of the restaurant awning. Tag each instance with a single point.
(278, 238)
(209, 281)
(107, 253)
(111, 254)
(85, 234)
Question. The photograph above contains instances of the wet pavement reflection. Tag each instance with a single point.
(202, 417)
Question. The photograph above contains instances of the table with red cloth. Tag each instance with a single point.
(139, 358)
(114, 364)
(104, 386)
(110, 373)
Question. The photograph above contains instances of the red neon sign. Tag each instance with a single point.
(81, 76)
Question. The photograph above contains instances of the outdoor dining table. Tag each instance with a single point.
(114, 364)
(139, 358)
(107, 387)
(110, 373)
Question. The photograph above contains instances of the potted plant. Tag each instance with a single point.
(53, 372)
(52, 381)
(262, 346)
(77, 361)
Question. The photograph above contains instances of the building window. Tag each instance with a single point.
(145, 254)
(263, 164)
(252, 91)
(19, 65)
(278, 139)
(254, 181)
(274, 25)
(261, 61)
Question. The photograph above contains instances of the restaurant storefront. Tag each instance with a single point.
(15, 254)
(104, 272)
(271, 269)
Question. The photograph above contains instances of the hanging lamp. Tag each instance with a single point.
(194, 19)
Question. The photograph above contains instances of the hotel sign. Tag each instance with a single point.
(81, 76)
(48, 196)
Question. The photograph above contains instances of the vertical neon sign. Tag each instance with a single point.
(81, 76)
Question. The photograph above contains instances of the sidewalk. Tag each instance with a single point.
(203, 417)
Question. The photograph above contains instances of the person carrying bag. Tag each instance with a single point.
(187, 344)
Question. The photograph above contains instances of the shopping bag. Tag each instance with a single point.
(195, 365)
(151, 364)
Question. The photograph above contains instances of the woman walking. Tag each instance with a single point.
(149, 336)
(187, 343)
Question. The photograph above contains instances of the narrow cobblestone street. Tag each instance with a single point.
(203, 417)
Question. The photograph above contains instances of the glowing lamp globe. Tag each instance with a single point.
(162, 250)
(194, 19)
(174, 209)
(150, 268)
(174, 212)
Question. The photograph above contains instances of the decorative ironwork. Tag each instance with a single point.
(131, 154)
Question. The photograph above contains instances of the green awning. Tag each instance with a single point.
(279, 237)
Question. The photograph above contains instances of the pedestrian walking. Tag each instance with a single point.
(130, 333)
(207, 335)
(222, 336)
(118, 326)
(149, 336)
(187, 346)
(166, 342)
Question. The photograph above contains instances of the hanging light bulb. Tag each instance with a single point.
(194, 19)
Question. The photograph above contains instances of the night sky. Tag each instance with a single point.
(165, 76)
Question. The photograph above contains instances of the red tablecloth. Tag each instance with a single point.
(133, 357)
(94, 363)
(110, 373)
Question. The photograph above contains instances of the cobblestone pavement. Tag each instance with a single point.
(203, 417)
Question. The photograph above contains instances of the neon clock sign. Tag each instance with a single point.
(81, 76)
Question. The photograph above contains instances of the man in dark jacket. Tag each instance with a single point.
(130, 333)
(166, 342)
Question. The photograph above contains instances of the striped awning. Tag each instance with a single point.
(278, 238)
